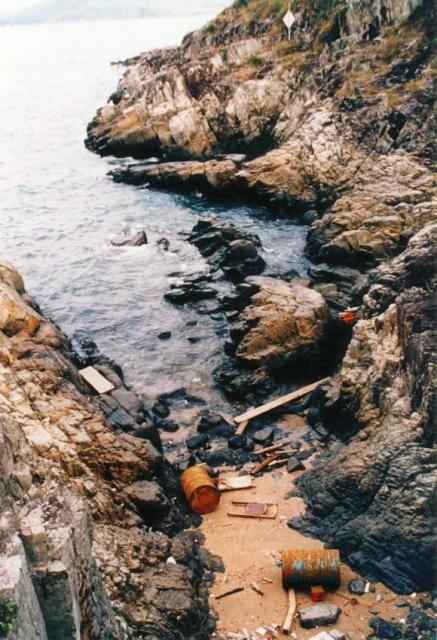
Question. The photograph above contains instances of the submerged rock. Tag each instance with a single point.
(137, 240)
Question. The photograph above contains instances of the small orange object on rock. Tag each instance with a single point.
(317, 594)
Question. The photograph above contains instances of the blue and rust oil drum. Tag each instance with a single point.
(303, 569)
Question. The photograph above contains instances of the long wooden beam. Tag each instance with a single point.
(274, 404)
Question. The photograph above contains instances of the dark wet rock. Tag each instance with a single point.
(240, 442)
(304, 454)
(373, 497)
(213, 423)
(310, 216)
(296, 522)
(189, 293)
(164, 335)
(121, 418)
(227, 247)
(233, 457)
(293, 464)
(149, 498)
(402, 603)
(357, 587)
(213, 458)
(161, 409)
(385, 630)
(419, 625)
(137, 240)
(318, 615)
(264, 435)
(164, 244)
(129, 401)
(197, 441)
(167, 425)
(241, 259)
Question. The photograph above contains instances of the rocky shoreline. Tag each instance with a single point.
(333, 129)
(90, 510)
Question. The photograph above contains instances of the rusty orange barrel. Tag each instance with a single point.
(303, 569)
(200, 490)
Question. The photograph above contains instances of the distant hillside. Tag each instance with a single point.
(70, 10)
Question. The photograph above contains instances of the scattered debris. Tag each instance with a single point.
(96, 380)
(330, 635)
(254, 509)
(274, 404)
(349, 315)
(318, 593)
(238, 482)
(288, 622)
(319, 615)
(229, 593)
(171, 560)
(200, 489)
(305, 568)
(263, 465)
(257, 588)
(273, 447)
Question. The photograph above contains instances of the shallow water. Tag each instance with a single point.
(59, 210)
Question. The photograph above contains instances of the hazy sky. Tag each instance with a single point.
(15, 5)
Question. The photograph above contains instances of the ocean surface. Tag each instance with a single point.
(59, 210)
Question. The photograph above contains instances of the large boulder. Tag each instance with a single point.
(284, 325)
(15, 315)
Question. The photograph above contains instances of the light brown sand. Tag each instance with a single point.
(250, 549)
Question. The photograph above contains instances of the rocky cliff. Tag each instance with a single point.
(87, 520)
(336, 129)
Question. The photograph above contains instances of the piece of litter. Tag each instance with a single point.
(229, 593)
(239, 482)
(171, 560)
(96, 380)
(257, 588)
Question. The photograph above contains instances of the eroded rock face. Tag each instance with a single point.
(373, 498)
(75, 494)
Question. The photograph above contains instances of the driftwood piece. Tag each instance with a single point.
(229, 593)
(288, 622)
(265, 463)
(274, 404)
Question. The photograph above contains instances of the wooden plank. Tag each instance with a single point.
(273, 447)
(242, 428)
(96, 380)
(263, 465)
(274, 404)
(288, 622)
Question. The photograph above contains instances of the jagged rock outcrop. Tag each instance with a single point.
(374, 495)
(76, 494)
(339, 120)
